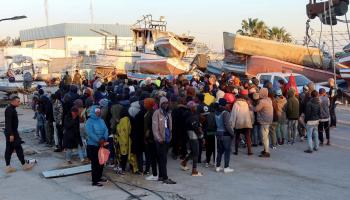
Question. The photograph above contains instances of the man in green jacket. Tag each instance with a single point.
(292, 113)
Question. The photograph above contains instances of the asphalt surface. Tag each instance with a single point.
(288, 174)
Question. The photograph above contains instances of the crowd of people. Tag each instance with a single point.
(139, 121)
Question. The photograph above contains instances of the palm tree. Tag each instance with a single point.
(279, 34)
(254, 28)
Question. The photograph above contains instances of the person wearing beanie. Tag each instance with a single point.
(194, 133)
(264, 111)
(162, 128)
(224, 135)
(324, 117)
(281, 129)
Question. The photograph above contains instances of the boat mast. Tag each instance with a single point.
(330, 5)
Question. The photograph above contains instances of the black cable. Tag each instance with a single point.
(124, 190)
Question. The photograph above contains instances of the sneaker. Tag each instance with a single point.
(228, 170)
(103, 180)
(10, 169)
(97, 184)
(235, 153)
(328, 143)
(315, 149)
(27, 166)
(218, 169)
(250, 153)
(57, 150)
(274, 147)
(169, 181)
(197, 173)
(206, 165)
(308, 151)
(85, 161)
(151, 178)
(69, 162)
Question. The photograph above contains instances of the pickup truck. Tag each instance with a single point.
(300, 80)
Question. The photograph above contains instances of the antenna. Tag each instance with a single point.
(46, 12)
(91, 13)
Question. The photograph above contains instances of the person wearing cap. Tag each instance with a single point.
(292, 113)
(332, 99)
(281, 129)
(242, 121)
(224, 135)
(71, 137)
(162, 128)
(194, 133)
(13, 140)
(324, 117)
(264, 111)
(97, 132)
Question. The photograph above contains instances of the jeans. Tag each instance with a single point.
(292, 130)
(312, 136)
(224, 147)
(272, 133)
(265, 137)
(42, 133)
(81, 153)
(281, 131)
(323, 126)
(256, 136)
(162, 150)
(194, 146)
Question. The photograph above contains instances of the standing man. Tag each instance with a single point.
(77, 78)
(264, 111)
(332, 99)
(67, 79)
(162, 127)
(13, 140)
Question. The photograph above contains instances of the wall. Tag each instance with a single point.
(52, 43)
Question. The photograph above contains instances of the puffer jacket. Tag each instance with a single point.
(313, 110)
(264, 108)
(95, 128)
(241, 116)
(324, 115)
(158, 122)
(134, 108)
(292, 109)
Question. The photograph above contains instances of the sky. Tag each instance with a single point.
(204, 19)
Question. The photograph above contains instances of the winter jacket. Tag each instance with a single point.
(324, 115)
(292, 109)
(241, 116)
(208, 99)
(264, 108)
(115, 113)
(281, 103)
(223, 123)
(137, 131)
(147, 126)
(11, 122)
(95, 128)
(313, 110)
(71, 132)
(158, 122)
(123, 135)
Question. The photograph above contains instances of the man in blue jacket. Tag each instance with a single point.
(97, 132)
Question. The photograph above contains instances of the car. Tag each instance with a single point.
(300, 80)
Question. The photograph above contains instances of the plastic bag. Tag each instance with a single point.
(103, 155)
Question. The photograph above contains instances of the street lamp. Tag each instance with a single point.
(14, 18)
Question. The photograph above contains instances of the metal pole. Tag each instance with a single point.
(333, 54)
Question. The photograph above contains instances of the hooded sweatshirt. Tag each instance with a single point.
(292, 109)
(313, 111)
(95, 128)
(241, 116)
(264, 108)
(160, 121)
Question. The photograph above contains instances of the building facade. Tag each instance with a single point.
(78, 39)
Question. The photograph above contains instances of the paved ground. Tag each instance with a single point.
(289, 174)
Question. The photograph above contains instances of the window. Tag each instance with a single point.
(264, 79)
(300, 80)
